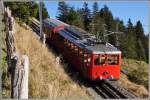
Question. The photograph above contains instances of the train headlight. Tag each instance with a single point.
(101, 77)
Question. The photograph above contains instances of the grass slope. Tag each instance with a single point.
(47, 79)
(137, 78)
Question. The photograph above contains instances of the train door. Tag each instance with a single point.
(86, 65)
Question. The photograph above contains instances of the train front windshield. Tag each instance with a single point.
(100, 60)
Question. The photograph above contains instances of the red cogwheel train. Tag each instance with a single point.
(95, 60)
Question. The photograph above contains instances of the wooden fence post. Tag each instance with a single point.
(20, 76)
(24, 90)
(18, 65)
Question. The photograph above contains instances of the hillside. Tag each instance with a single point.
(50, 81)
(136, 79)
(47, 79)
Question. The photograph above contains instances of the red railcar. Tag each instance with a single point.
(94, 60)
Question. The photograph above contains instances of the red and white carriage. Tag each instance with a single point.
(94, 60)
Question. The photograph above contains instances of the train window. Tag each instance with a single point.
(99, 60)
(112, 59)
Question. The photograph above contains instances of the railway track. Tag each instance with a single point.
(106, 89)
(35, 26)
(126, 92)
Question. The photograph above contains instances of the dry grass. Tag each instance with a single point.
(141, 68)
(138, 90)
(46, 78)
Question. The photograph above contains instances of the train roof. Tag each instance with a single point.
(103, 49)
(83, 39)
(54, 22)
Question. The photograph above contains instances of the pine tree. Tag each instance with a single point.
(63, 9)
(140, 50)
(119, 28)
(130, 41)
(80, 18)
(141, 44)
(77, 19)
(44, 12)
(86, 16)
(95, 9)
(96, 25)
(69, 15)
(106, 14)
(72, 16)
(139, 31)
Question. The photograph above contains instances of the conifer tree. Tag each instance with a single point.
(95, 9)
(69, 15)
(86, 16)
(119, 25)
(72, 16)
(78, 20)
(63, 9)
(141, 44)
(130, 41)
(106, 14)
(44, 12)
(96, 25)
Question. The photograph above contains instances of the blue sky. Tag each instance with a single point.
(121, 9)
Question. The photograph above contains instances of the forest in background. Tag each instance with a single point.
(132, 42)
